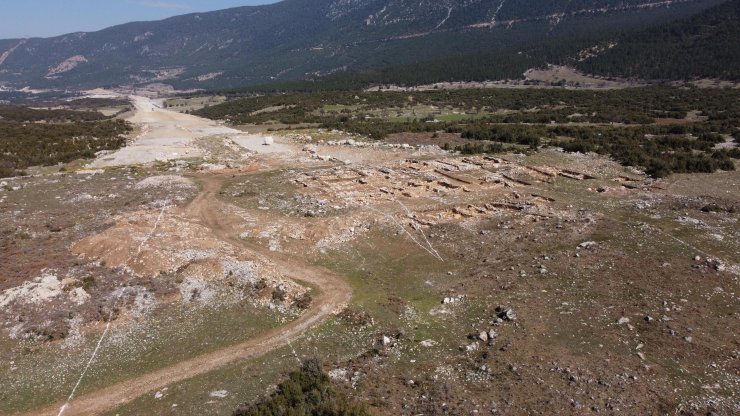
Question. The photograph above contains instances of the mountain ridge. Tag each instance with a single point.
(297, 39)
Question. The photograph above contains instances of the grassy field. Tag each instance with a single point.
(192, 104)
(378, 287)
(169, 335)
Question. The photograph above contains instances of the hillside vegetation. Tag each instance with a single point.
(31, 137)
(398, 41)
(687, 43)
(659, 129)
(705, 45)
(307, 392)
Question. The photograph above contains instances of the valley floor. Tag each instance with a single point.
(190, 270)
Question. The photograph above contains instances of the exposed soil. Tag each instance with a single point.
(333, 294)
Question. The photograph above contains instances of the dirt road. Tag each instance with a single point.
(169, 135)
(207, 209)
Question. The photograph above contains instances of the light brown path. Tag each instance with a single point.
(334, 292)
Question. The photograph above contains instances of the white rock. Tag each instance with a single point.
(716, 265)
(338, 374)
(219, 394)
(40, 290)
(165, 181)
(79, 296)
(91, 172)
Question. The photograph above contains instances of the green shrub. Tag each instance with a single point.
(307, 392)
(53, 137)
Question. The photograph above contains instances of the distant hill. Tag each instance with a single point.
(303, 39)
(705, 45)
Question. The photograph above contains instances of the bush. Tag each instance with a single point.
(279, 294)
(304, 301)
(63, 137)
(658, 169)
(307, 392)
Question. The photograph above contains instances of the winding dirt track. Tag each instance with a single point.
(207, 209)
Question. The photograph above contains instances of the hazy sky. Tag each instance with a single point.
(29, 18)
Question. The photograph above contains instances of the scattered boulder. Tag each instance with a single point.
(492, 337)
(588, 245)
(428, 343)
(79, 296)
(715, 264)
(623, 320)
(450, 300)
(160, 394)
(338, 374)
(505, 314)
(220, 394)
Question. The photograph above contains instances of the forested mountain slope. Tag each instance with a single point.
(705, 45)
(299, 39)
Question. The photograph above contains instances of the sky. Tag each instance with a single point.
(45, 18)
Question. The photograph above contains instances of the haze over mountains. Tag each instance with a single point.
(300, 39)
